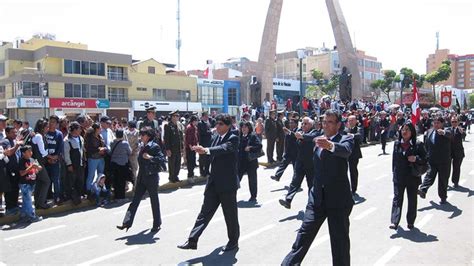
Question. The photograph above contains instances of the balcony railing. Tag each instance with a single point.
(116, 76)
(118, 99)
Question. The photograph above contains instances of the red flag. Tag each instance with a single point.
(415, 106)
(206, 73)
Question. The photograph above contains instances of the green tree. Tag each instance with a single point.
(471, 100)
(441, 74)
(377, 86)
(316, 74)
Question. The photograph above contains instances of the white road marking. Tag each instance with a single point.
(108, 256)
(256, 232)
(213, 221)
(365, 213)
(369, 166)
(380, 177)
(321, 240)
(388, 256)
(472, 172)
(65, 244)
(197, 193)
(424, 221)
(170, 215)
(35, 232)
(139, 207)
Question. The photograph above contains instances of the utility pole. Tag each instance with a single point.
(178, 41)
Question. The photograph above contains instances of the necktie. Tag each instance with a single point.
(433, 136)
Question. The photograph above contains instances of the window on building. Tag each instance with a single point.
(116, 73)
(141, 89)
(101, 69)
(159, 94)
(182, 95)
(212, 95)
(68, 66)
(76, 67)
(93, 68)
(84, 91)
(31, 88)
(151, 70)
(2, 92)
(232, 96)
(85, 68)
(118, 95)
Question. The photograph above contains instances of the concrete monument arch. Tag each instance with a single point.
(266, 59)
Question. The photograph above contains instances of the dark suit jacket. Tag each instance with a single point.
(331, 181)
(290, 146)
(305, 148)
(440, 151)
(150, 168)
(204, 133)
(457, 149)
(224, 158)
(254, 142)
(401, 166)
(173, 137)
(270, 128)
(357, 132)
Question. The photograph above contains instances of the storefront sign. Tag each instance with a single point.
(286, 84)
(33, 102)
(79, 103)
(211, 82)
(12, 103)
(162, 106)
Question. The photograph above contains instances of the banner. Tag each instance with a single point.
(78, 103)
(445, 99)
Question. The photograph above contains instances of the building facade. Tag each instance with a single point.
(221, 96)
(462, 68)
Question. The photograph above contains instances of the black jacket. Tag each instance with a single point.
(305, 148)
(440, 151)
(457, 149)
(252, 141)
(357, 132)
(204, 133)
(401, 167)
(150, 168)
(331, 181)
(291, 151)
(224, 158)
(270, 129)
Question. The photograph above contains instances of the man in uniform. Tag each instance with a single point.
(271, 135)
(280, 141)
(150, 121)
(173, 145)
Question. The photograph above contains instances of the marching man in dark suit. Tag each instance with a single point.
(438, 147)
(330, 196)
(290, 150)
(271, 135)
(356, 131)
(205, 134)
(222, 185)
(457, 149)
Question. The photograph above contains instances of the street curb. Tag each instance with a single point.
(68, 206)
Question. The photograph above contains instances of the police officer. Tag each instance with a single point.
(173, 145)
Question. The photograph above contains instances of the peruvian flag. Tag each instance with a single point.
(206, 73)
(415, 106)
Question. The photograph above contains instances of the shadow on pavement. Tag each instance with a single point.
(414, 235)
(140, 238)
(299, 217)
(280, 189)
(248, 204)
(469, 192)
(216, 257)
(447, 207)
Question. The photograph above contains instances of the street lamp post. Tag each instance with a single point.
(187, 101)
(301, 55)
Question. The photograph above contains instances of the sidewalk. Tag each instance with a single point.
(68, 206)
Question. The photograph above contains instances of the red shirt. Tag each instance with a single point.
(191, 136)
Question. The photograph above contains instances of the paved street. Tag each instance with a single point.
(443, 234)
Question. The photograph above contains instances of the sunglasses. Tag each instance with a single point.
(220, 123)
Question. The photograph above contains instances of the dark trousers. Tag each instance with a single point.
(190, 162)
(74, 184)
(457, 161)
(119, 173)
(174, 165)
(398, 193)
(11, 196)
(300, 172)
(280, 147)
(442, 170)
(252, 175)
(204, 164)
(270, 149)
(366, 135)
(383, 140)
(314, 217)
(354, 174)
(212, 200)
(144, 184)
(282, 167)
(42, 187)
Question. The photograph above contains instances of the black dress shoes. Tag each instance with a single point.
(421, 193)
(443, 201)
(230, 246)
(411, 226)
(188, 245)
(275, 178)
(393, 226)
(155, 229)
(285, 203)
